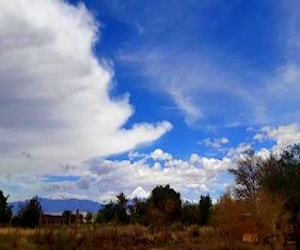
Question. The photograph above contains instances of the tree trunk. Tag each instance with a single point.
(297, 233)
(297, 222)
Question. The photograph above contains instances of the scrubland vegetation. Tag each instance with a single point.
(260, 211)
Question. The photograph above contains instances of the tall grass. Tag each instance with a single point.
(112, 237)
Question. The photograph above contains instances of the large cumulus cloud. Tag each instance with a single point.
(55, 106)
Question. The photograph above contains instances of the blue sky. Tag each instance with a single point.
(206, 49)
(99, 97)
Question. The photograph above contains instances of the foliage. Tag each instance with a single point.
(189, 213)
(107, 213)
(121, 209)
(88, 217)
(225, 219)
(30, 214)
(165, 204)
(138, 212)
(270, 216)
(281, 176)
(269, 189)
(70, 218)
(197, 213)
(5, 210)
(114, 211)
(205, 206)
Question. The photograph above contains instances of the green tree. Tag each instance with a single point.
(121, 209)
(114, 211)
(138, 212)
(107, 213)
(68, 217)
(205, 206)
(89, 217)
(164, 204)
(5, 210)
(30, 214)
(189, 213)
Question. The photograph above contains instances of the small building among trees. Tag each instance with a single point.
(52, 220)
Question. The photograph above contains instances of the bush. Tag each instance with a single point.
(194, 231)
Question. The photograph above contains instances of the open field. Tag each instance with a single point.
(133, 237)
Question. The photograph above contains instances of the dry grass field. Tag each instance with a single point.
(132, 237)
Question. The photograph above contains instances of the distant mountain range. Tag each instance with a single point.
(50, 206)
(58, 206)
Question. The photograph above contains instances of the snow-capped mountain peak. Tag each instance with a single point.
(139, 193)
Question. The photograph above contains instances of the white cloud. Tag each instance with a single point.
(103, 179)
(283, 135)
(215, 143)
(191, 111)
(180, 174)
(133, 154)
(239, 151)
(54, 92)
(159, 155)
(263, 153)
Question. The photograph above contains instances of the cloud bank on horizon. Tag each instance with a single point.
(138, 173)
(74, 124)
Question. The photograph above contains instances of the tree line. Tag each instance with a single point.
(161, 209)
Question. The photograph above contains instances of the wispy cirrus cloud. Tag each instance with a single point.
(216, 143)
(208, 77)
